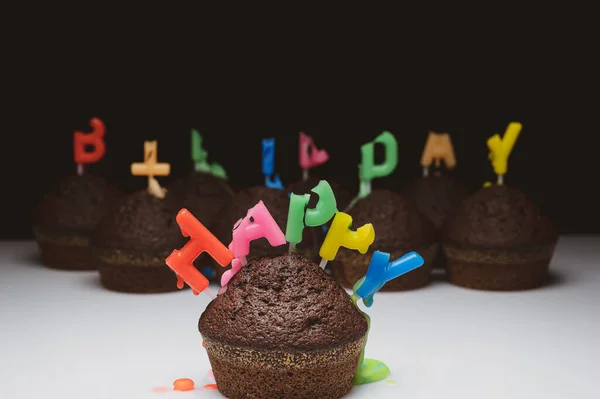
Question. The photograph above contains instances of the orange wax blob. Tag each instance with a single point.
(183, 384)
(210, 387)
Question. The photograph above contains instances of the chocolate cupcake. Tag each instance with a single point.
(399, 228)
(499, 240)
(65, 218)
(436, 197)
(130, 245)
(283, 329)
(202, 194)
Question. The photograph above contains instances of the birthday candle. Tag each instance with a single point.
(368, 170)
(200, 158)
(257, 223)
(340, 235)
(381, 270)
(299, 215)
(438, 148)
(500, 149)
(268, 164)
(201, 240)
(95, 139)
(309, 155)
(150, 167)
(199, 155)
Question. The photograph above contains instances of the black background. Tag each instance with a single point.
(547, 162)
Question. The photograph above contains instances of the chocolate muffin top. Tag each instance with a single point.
(499, 216)
(397, 222)
(276, 201)
(77, 204)
(284, 303)
(342, 197)
(202, 194)
(141, 222)
(436, 197)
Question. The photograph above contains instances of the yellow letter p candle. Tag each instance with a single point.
(340, 235)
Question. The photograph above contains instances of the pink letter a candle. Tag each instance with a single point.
(257, 223)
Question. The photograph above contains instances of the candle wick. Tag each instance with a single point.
(425, 172)
(500, 180)
(352, 203)
(304, 174)
(323, 263)
(209, 293)
(292, 248)
(79, 169)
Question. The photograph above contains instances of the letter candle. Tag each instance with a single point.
(340, 235)
(258, 223)
(201, 240)
(300, 216)
(500, 149)
(368, 170)
(200, 158)
(268, 164)
(309, 156)
(95, 138)
(438, 148)
(150, 167)
(380, 271)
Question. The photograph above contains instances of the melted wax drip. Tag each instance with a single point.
(369, 370)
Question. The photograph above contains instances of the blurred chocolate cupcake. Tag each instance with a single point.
(130, 245)
(499, 240)
(399, 228)
(436, 196)
(65, 218)
(202, 194)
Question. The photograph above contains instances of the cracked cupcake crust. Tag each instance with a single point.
(283, 303)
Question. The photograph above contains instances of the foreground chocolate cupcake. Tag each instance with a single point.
(130, 244)
(499, 240)
(283, 329)
(399, 228)
(65, 218)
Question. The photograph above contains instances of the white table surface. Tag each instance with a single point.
(63, 336)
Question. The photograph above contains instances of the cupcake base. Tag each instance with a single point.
(499, 270)
(128, 273)
(351, 266)
(253, 373)
(64, 252)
